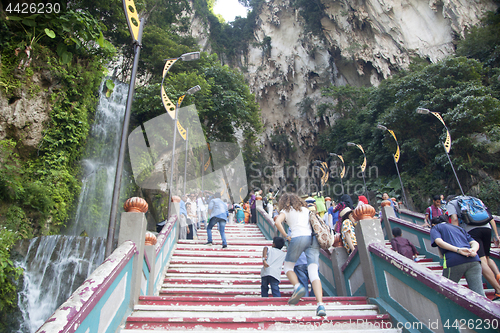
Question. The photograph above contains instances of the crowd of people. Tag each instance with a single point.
(465, 249)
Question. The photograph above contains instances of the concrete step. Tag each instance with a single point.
(261, 322)
(209, 311)
(210, 288)
(247, 301)
(235, 243)
(211, 279)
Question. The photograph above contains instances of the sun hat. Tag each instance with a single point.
(345, 212)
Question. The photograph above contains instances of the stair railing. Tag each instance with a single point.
(421, 301)
(108, 295)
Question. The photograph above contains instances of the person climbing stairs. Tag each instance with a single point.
(208, 288)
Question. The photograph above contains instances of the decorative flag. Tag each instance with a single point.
(342, 174)
(181, 129)
(132, 18)
(396, 156)
(447, 143)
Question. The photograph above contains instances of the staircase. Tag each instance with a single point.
(210, 288)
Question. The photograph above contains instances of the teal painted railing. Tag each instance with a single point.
(421, 301)
(353, 275)
(103, 301)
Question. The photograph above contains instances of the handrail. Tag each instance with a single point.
(459, 295)
(350, 259)
(163, 235)
(410, 225)
(72, 314)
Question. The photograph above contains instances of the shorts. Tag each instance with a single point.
(303, 244)
(483, 237)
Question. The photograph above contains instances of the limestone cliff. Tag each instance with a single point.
(361, 43)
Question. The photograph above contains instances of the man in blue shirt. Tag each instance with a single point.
(217, 209)
(459, 253)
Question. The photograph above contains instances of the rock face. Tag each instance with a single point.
(22, 117)
(361, 43)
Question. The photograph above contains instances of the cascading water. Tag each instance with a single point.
(55, 266)
(99, 166)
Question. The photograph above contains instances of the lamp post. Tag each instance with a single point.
(446, 144)
(186, 160)
(342, 173)
(169, 106)
(181, 130)
(363, 166)
(136, 29)
(396, 159)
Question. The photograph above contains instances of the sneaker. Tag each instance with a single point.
(208, 243)
(297, 295)
(496, 298)
(320, 311)
(224, 246)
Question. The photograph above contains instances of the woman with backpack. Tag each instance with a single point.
(293, 211)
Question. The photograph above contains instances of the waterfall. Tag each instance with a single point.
(54, 267)
(99, 165)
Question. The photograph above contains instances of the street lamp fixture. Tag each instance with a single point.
(363, 166)
(446, 144)
(190, 56)
(423, 111)
(396, 160)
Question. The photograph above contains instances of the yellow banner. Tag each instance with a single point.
(167, 103)
(132, 18)
(167, 66)
(447, 143)
(179, 101)
(182, 131)
(342, 174)
(396, 156)
(324, 169)
(207, 164)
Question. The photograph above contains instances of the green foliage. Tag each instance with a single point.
(312, 12)
(8, 273)
(281, 143)
(160, 44)
(70, 32)
(10, 178)
(224, 103)
(454, 87)
(231, 40)
(483, 42)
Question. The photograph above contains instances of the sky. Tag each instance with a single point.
(229, 9)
